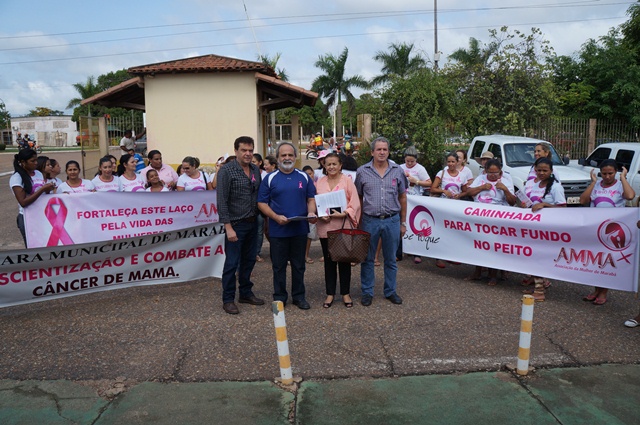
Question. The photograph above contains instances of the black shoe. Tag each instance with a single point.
(302, 304)
(253, 300)
(366, 300)
(395, 298)
(230, 308)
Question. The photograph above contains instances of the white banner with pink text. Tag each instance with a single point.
(68, 219)
(42, 274)
(591, 246)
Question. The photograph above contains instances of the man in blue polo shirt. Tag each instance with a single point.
(284, 194)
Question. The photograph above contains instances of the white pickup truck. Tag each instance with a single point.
(626, 155)
(516, 155)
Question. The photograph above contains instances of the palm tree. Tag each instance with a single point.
(475, 54)
(397, 61)
(85, 91)
(273, 63)
(333, 84)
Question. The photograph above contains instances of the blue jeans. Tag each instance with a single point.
(389, 230)
(288, 249)
(240, 258)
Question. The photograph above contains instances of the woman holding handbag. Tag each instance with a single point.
(335, 181)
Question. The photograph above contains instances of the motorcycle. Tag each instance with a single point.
(29, 144)
(313, 150)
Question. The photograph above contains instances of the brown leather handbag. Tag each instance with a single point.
(348, 245)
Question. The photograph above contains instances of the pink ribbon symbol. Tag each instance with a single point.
(253, 178)
(58, 233)
(299, 185)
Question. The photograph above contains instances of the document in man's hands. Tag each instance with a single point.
(327, 202)
(299, 218)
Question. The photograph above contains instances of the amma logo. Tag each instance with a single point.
(421, 221)
(614, 235)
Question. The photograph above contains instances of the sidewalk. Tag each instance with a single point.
(607, 394)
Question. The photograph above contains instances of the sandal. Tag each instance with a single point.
(327, 304)
(590, 297)
(417, 260)
(309, 260)
(259, 259)
(599, 301)
(376, 263)
(347, 304)
(537, 297)
(440, 263)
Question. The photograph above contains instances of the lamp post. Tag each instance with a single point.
(436, 57)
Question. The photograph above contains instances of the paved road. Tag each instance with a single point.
(179, 333)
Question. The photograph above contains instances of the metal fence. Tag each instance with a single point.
(578, 137)
(116, 126)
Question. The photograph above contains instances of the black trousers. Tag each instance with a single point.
(331, 269)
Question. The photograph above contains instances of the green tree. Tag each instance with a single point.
(476, 54)
(311, 118)
(110, 79)
(85, 91)
(602, 81)
(420, 107)
(5, 116)
(94, 86)
(334, 84)
(506, 85)
(367, 103)
(272, 61)
(43, 111)
(397, 62)
(631, 29)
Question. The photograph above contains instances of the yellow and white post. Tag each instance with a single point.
(526, 325)
(286, 375)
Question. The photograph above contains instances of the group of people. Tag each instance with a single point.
(542, 190)
(255, 193)
(286, 198)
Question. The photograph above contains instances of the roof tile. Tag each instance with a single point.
(206, 63)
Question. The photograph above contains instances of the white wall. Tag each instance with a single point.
(47, 131)
(199, 114)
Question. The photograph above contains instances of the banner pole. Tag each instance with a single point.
(526, 324)
(286, 375)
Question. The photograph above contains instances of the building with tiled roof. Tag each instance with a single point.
(198, 106)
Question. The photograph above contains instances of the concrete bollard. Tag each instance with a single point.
(526, 325)
(286, 375)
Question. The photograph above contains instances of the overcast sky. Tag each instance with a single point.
(47, 46)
